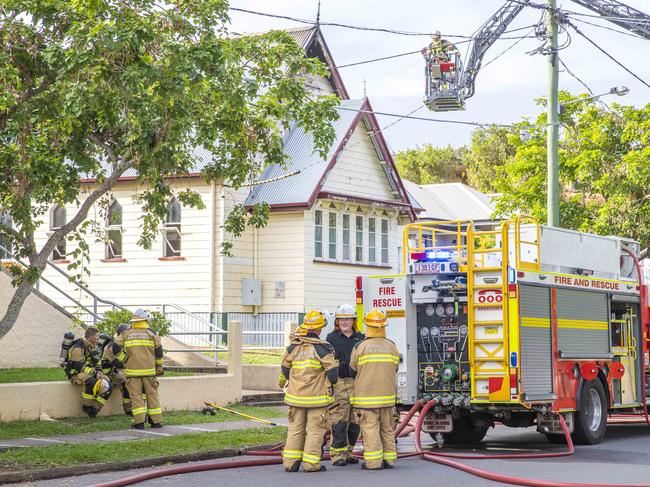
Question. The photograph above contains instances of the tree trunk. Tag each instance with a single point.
(40, 261)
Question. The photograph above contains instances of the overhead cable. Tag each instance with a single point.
(593, 43)
(359, 27)
(425, 119)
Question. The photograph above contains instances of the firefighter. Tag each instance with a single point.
(81, 367)
(374, 364)
(439, 49)
(345, 431)
(112, 367)
(309, 369)
(143, 362)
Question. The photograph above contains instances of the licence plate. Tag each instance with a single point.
(428, 268)
(553, 424)
(438, 423)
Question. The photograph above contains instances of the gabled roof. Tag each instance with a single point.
(302, 189)
(449, 201)
(312, 41)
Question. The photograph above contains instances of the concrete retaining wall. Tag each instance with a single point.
(261, 377)
(29, 400)
(35, 339)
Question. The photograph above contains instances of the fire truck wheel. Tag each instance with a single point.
(465, 433)
(591, 418)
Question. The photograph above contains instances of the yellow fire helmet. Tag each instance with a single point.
(314, 320)
(300, 331)
(101, 387)
(375, 319)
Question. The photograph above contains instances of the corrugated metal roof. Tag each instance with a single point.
(450, 201)
(299, 147)
(302, 35)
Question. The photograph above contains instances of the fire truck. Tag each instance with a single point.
(515, 322)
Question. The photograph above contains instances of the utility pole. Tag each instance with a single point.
(552, 128)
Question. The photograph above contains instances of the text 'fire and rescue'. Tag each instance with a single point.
(579, 282)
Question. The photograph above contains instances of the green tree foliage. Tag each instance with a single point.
(430, 164)
(114, 318)
(489, 149)
(604, 170)
(92, 89)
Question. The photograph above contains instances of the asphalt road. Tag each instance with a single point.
(623, 458)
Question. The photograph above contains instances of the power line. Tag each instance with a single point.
(607, 54)
(425, 119)
(359, 27)
(508, 48)
(378, 59)
(574, 76)
(609, 28)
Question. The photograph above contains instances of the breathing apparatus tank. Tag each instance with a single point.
(68, 340)
(101, 343)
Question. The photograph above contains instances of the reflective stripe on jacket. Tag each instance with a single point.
(142, 349)
(307, 364)
(375, 361)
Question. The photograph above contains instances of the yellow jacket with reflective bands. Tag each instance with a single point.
(310, 368)
(142, 349)
(374, 364)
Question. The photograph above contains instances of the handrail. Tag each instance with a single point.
(70, 279)
(192, 315)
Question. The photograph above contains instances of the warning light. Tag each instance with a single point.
(512, 290)
(359, 283)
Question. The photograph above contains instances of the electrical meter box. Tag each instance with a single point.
(251, 292)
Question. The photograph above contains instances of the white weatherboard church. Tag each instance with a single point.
(332, 221)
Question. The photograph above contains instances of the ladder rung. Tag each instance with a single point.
(488, 323)
(490, 359)
(486, 269)
(488, 340)
(487, 251)
(489, 286)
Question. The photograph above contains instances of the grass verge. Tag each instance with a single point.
(258, 357)
(46, 374)
(71, 426)
(65, 455)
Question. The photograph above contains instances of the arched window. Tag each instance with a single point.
(6, 247)
(57, 220)
(114, 231)
(172, 230)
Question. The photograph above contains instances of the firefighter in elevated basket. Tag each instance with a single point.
(309, 370)
(374, 364)
(144, 360)
(345, 431)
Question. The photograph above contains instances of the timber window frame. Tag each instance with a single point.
(58, 218)
(113, 228)
(171, 230)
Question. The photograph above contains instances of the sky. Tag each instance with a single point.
(505, 90)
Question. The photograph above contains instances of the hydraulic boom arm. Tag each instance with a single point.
(488, 34)
(620, 14)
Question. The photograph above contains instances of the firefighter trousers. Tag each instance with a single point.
(307, 427)
(141, 389)
(88, 397)
(378, 431)
(118, 380)
(345, 430)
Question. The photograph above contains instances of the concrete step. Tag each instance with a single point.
(219, 369)
(262, 398)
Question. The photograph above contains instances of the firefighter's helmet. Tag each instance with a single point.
(102, 386)
(141, 315)
(375, 319)
(314, 320)
(345, 311)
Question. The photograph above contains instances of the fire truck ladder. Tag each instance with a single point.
(487, 297)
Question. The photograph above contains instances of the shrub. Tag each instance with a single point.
(112, 319)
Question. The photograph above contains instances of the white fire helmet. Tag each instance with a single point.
(345, 311)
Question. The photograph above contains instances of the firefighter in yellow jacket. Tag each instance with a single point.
(144, 360)
(374, 364)
(112, 367)
(82, 366)
(309, 370)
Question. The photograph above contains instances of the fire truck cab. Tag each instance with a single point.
(515, 322)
